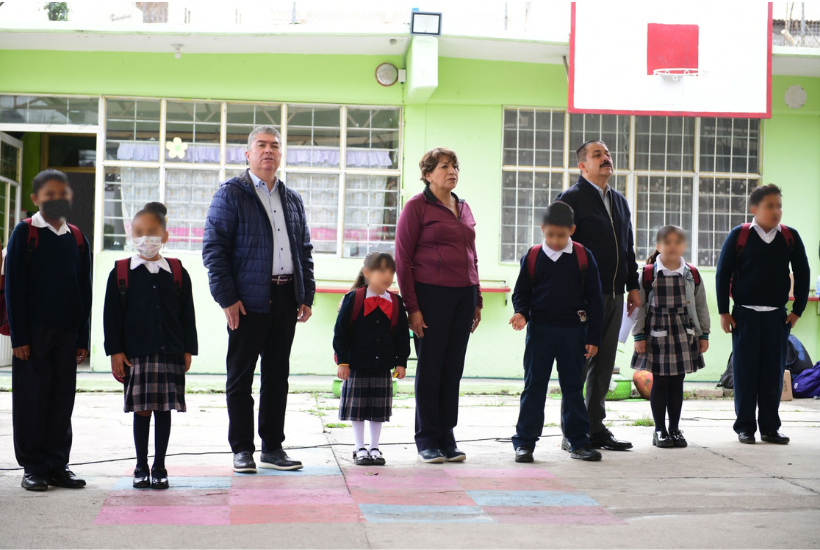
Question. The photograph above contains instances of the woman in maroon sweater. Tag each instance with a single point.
(438, 277)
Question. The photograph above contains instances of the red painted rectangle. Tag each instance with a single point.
(148, 497)
(411, 497)
(163, 515)
(671, 47)
(341, 513)
(309, 496)
(317, 483)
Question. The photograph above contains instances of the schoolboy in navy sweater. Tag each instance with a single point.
(48, 298)
(563, 305)
(757, 275)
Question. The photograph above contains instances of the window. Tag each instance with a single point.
(695, 173)
(22, 109)
(345, 161)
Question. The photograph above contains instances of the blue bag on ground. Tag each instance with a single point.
(807, 383)
(797, 358)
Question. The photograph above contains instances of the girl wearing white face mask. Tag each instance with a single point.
(150, 334)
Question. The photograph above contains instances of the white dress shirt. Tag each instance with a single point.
(37, 220)
(666, 271)
(153, 266)
(282, 258)
(555, 254)
(767, 237)
(371, 294)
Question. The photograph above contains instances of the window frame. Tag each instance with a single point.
(570, 172)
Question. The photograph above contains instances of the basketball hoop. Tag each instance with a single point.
(675, 75)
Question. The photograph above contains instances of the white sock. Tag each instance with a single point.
(375, 433)
(358, 434)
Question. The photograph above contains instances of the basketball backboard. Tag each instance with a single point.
(671, 58)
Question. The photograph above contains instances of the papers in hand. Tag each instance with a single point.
(627, 322)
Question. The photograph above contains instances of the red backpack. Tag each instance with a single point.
(744, 236)
(580, 255)
(124, 267)
(358, 304)
(33, 241)
(649, 276)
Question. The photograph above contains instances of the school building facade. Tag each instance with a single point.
(131, 125)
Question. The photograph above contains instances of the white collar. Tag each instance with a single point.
(370, 294)
(37, 220)
(152, 266)
(603, 191)
(555, 254)
(259, 182)
(766, 236)
(679, 270)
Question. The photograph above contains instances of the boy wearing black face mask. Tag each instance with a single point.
(48, 297)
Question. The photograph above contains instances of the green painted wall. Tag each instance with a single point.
(464, 113)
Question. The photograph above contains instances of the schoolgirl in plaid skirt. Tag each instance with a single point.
(150, 334)
(371, 339)
(671, 331)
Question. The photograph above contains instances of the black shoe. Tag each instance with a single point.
(278, 460)
(586, 452)
(452, 454)
(34, 482)
(662, 440)
(142, 478)
(431, 456)
(66, 479)
(746, 437)
(377, 457)
(677, 438)
(775, 437)
(159, 478)
(565, 446)
(523, 454)
(362, 460)
(243, 462)
(605, 440)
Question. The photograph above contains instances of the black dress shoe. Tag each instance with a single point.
(775, 437)
(586, 452)
(34, 482)
(66, 479)
(362, 458)
(746, 437)
(565, 446)
(142, 478)
(377, 457)
(243, 462)
(452, 454)
(605, 440)
(523, 454)
(677, 438)
(431, 456)
(662, 440)
(278, 460)
(159, 478)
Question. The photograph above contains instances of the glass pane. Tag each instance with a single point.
(729, 145)
(132, 129)
(525, 195)
(661, 201)
(68, 150)
(14, 219)
(665, 143)
(320, 193)
(126, 192)
(188, 194)
(534, 138)
(611, 129)
(9, 161)
(371, 210)
(242, 119)
(313, 135)
(722, 205)
(192, 132)
(49, 110)
(373, 137)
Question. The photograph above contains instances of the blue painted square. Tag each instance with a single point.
(216, 482)
(530, 498)
(306, 471)
(397, 513)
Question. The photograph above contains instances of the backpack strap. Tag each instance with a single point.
(532, 257)
(648, 277)
(742, 238)
(78, 236)
(358, 303)
(581, 256)
(122, 267)
(33, 239)
(695, 273)
(176, 271)
(787, 234)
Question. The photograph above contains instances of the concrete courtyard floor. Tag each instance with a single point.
(716, 493)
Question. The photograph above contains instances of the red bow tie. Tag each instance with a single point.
(374, 302)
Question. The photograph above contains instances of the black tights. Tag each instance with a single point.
(162, 432)
(666, 395)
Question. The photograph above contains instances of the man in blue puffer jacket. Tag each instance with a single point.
(260, 267)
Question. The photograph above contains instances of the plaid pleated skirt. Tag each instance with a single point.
(671, 342)
(156, 383)
(367, 396)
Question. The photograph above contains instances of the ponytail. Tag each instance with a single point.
(359, 282)
(653, 257)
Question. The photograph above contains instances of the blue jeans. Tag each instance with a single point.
(545, 345)
(758, 362)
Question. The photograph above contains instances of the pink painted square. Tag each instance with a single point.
(553, 515)
(524, 472)
(277, 496)
(316, 483)
(342, 513)
(411, 497)
(188, 497)
(163, 515)
(513, 484)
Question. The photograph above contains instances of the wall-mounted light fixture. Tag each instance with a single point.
(425, 23)
(387, 74)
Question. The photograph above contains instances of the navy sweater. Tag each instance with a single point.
(556, 295)
(154, 320)
(609, 238)
(370, 345)
(53, 291)
(760, 276)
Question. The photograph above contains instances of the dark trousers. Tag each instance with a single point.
(269, 335)
(545, 345)
(448, 313)
(758, 362)
(42, 400)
